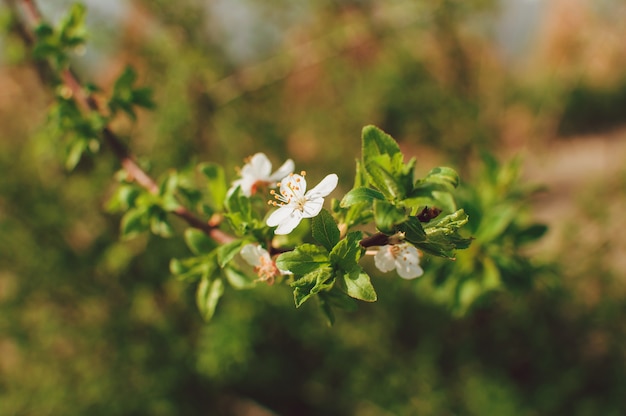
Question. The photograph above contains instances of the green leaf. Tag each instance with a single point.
(496, 223)
(382, 162)
(226, 252)
(444, 176)
(167, 192)
(448, 224)
(238, 279)
(434, 190)
(311, 284)
(430, 194)
(177, 267)
(72, 28)
(360, 176)
(159, 224)
(335, 298)
(467, 291)
(123, 198)
(324, 230)
(413, 230)
(387, 216)
(382, 178)
(216, 183)
(346, 254)
(442, 236)
(75, 153)
(531, 233)
(194, 268)
(358, 285)
(361, 195)
(359, 214)
(239, 213)
(135, 221)
(142, 97)
(125, 96)
(491, 275)
(123, 83)
(207, 296)
(340, 299)
(376, 142)
(327, 310)
(198, 242)
(304, 259)
(43, 30)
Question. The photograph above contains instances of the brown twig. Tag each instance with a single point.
(88, 104)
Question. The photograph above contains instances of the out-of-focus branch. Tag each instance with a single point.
(31, 18)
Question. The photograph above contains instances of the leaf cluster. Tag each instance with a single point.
(82, 130)
(501, 228)
(386, 191)
(55, 43)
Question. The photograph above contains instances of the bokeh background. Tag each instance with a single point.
(90, 324)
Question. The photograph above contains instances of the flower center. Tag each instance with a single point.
(267, 270)
(291, 193)
(398, 250)
(259, 184)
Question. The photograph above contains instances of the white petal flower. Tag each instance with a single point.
(257, 172)
(295, 204)
(402, 257)
(259, 258)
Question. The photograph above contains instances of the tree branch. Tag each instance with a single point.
(87, 103)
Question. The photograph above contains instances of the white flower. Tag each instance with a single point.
(259, 258)
(257, 172)
(402, 257)
(295, 204)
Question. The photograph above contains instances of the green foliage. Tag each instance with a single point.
(226, 252)
(208, 294)
(54, 43)
(324, 230)
(216, 185)
(80, 132)
(395, 198)
(319, 279)
(496, 259)
(303, 259)
(126, 97)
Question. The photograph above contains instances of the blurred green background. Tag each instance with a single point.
(93, 325)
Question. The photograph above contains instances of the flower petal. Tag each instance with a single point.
(291, 222)
(326, 186)
(312, 207)
(252, 254)
(409, 270)
(283, 171)
(384, 259)
(407, 262)
(259, 167)
(282, 214)
(246, 183)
